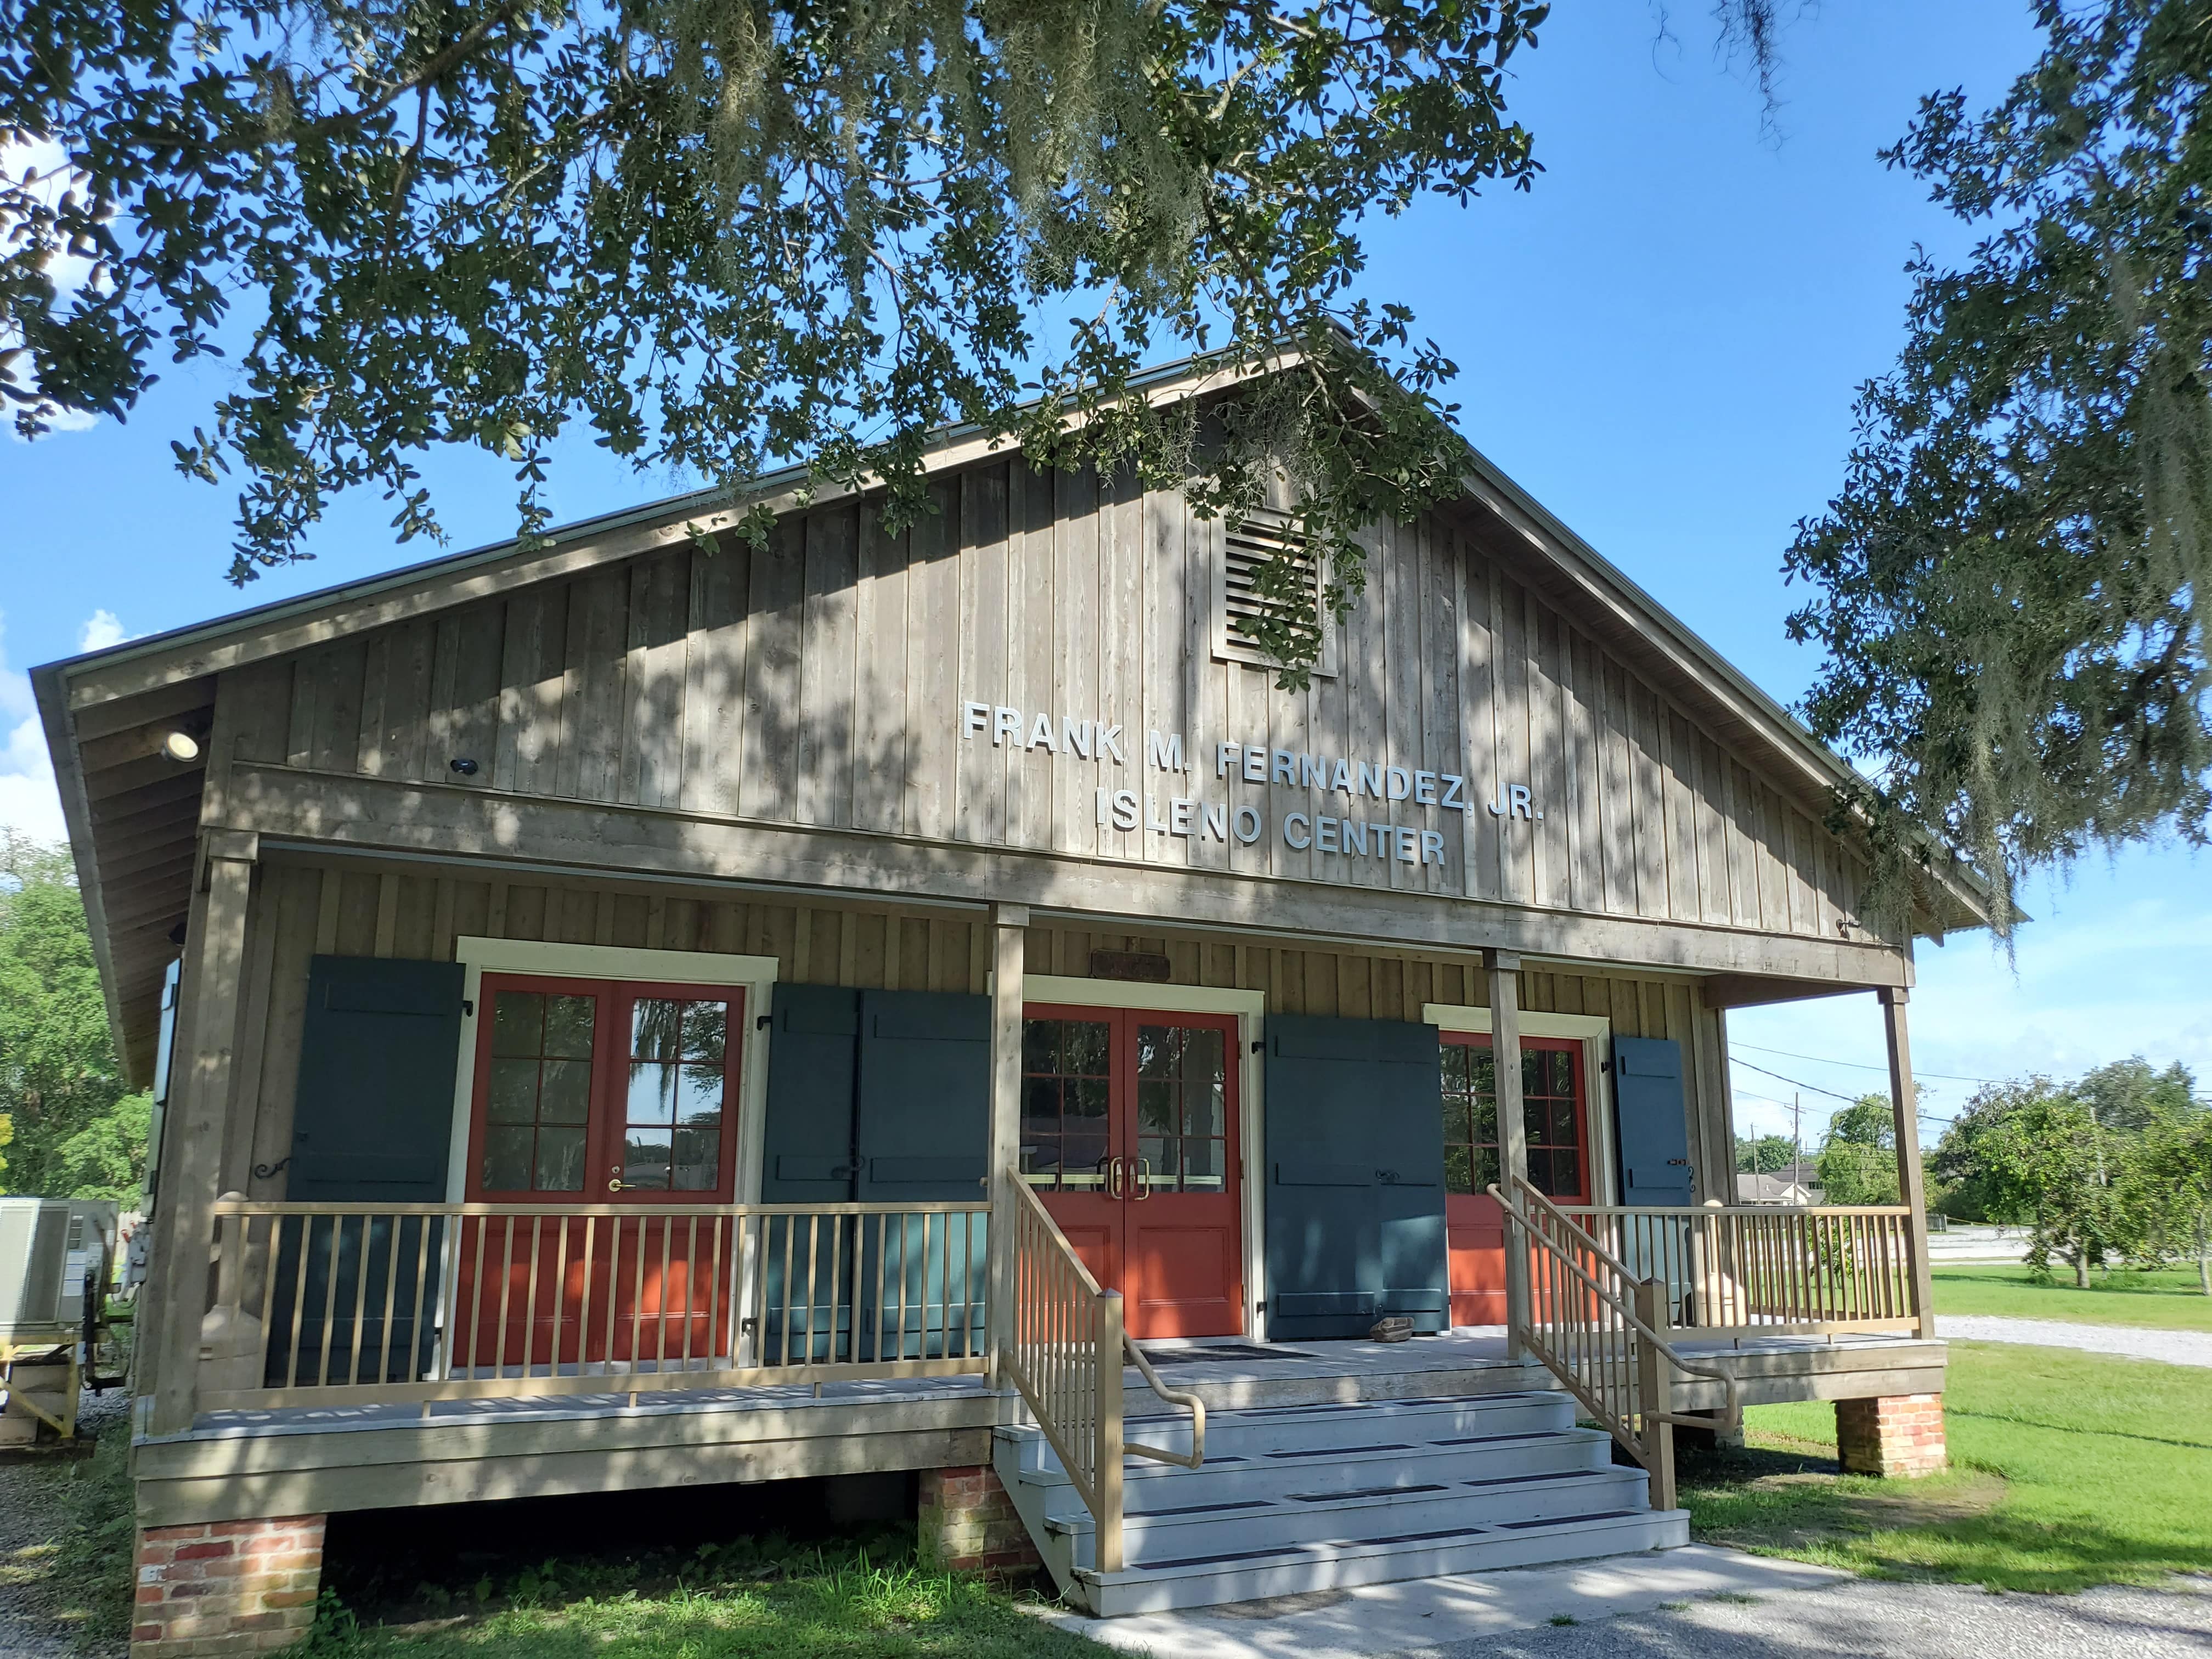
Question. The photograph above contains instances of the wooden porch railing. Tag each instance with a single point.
(1066, 1347)
(1765, 1269)
(1601, 1330)
(329, 1303)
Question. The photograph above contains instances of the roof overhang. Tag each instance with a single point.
(133, 814)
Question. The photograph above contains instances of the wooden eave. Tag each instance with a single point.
(133, 818)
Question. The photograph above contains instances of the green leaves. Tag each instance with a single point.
(2013, 583)
(76, 1131)
(727, 235)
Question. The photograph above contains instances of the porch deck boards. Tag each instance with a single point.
(1470, 1359)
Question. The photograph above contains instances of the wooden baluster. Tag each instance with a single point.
(391, 1295)
(506, 1290)
(422, 1285)
(475, 1290)
(690, 1285)
(530, 1296)
(584, 1300)
(637, 1303)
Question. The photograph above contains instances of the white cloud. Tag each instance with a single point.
(28, 800)
(101, 629)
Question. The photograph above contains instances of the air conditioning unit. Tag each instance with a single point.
(48, 1249)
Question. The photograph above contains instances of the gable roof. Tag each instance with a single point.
(133, 813)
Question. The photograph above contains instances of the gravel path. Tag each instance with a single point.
(33, 1512)
(1866, 1620)
(2175, 1348)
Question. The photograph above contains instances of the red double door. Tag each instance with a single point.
(1130, 1134)
(618, 1095)
(1554, 1105)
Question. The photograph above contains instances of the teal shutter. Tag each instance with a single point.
(1355, 1178)
(814, 1058)
(1654, 1123)
(883, 1097)
(373, 1123)
(923, 1133)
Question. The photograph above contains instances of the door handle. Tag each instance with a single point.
(1112, 1177)
(1143, 1179)
(614, 1179)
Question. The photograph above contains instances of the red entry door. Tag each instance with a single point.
(599, 1092)
(1553, 1094)
(1129, 1133)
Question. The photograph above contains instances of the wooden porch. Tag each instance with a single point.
(371, 1357)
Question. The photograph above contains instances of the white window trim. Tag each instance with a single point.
(1595, 1032)
(756, 975)
(1250, 1008)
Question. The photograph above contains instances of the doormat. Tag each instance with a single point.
(1227, 1351)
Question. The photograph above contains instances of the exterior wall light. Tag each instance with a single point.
(463, 765)
(181, 747)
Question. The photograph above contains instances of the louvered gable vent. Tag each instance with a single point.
(1247, 547)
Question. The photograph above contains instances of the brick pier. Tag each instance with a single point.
(1898, 1434)
(969, 1524)
(225, 1587)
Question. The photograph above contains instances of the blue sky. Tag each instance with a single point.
(1660, 341)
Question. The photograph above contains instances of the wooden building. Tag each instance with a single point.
(653, 1014)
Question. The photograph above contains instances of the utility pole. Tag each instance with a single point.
(1796, 1142)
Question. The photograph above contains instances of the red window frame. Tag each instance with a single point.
(1578, 1097)
(607, 1122)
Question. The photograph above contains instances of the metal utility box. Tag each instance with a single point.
(48, 1247)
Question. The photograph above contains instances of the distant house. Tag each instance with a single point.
(1790, 1186)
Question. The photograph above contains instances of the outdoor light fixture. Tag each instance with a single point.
(463, 765)
(181, 747)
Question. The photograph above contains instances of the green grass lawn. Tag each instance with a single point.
(2169, 1299)
(815, 1603)
(2070, 1469)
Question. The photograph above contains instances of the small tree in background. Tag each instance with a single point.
(2175, 1179)
(78, 1131)
(2037, 1154)
(1857, 1163)
(1764, 1156)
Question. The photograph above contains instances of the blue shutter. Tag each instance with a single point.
(373, 1123)
(1355, 1178)
(923, 1133)
(814, 1058)
(1654, 1126)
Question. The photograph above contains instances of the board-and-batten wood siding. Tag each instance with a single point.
(819, 681)
(300, 910)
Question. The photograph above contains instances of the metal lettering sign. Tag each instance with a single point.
(1346, 832)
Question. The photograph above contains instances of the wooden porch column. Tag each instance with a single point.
(1008, 923)
(199, 1103)
(1504, 969)
(1912, 1188)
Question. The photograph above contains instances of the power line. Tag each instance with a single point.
(1855, 1065)
(1798, 1083)
(1794, 1083)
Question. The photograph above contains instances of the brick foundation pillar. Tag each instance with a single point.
(969, 1524)
(225, 1587)
(1898, 1434)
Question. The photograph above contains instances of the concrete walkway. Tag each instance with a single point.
(2174, 1347)
(1694, 1603)
(1391, 1619)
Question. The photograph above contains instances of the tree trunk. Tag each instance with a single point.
(2081, 1270)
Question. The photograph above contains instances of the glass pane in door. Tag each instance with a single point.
(675, 1105)
(1470, 1109)
(1067, 1077)
(1183, 1106)
(538, 1093)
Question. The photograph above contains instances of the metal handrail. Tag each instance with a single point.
(1190, 1403)
(1643, 1426)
